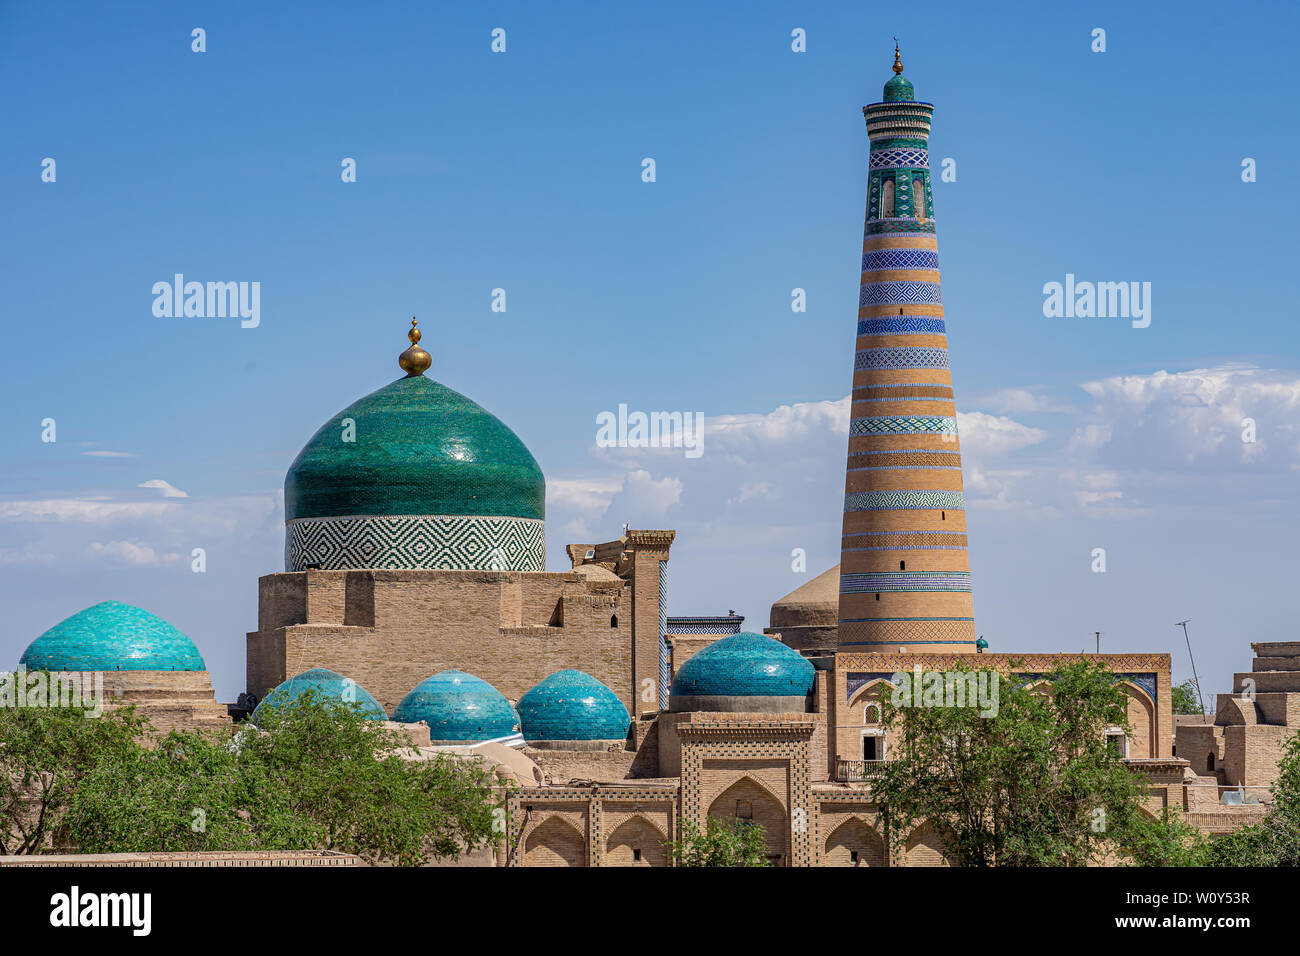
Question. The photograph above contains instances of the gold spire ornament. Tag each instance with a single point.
(898, 63)
(415, 360)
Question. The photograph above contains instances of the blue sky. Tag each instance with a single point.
(522, 171)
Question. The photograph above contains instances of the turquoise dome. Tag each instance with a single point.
(899, 90)
(420, 449)
(328, 685)
(744, 665)
(112, 636)
(458, 707)
(571, 705)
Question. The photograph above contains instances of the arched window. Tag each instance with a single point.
(1209, 763)
(887, 200)
(918, 196)
(613, 620)
(902, 565)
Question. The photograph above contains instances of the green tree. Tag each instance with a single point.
(721, 843)
(316, 775)
(46, 753)
(1185, 699)
(1034, 783)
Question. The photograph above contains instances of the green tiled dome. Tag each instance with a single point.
(113, 636)
(459, 708)
(899, 90)
(745, 665)
(420, 449)
(324, 684)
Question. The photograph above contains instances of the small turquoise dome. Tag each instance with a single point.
(419, 448)
(458, 707)
(571, 705)
(328, 685)
(899, 90)
(113, 636)
(744, 665)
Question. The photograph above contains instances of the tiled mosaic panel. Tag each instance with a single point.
(873, 260)
(904, 425)
(905, 581)
(902, 325)
(909, 356)
(894, 158)
(898, 500)
(429, 542)
(899, 293)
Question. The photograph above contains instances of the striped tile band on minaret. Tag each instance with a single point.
(904, 572)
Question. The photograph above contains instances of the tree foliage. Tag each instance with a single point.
(317, 775)
(1185, 699)
(721, 843)
(46, 753)
(1034, 784)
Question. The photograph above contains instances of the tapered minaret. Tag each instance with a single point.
(904, 571)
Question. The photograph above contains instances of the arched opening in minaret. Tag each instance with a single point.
(613, 620)
(902, 565)
(943, 516)
(887, 200)
(918, 196)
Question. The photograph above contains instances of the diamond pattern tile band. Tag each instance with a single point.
(902, 357)
(427, 542)
(895, 500)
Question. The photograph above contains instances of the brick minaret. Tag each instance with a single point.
(904, 572)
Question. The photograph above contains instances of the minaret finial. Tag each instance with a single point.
(415, 360)
(898, 62)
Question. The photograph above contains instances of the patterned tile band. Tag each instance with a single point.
(898, 500)
(663, 635)
(893, 158)
(908, 356)
(903, 425)
(905, 581)
(906, 541)
(882, 227)
(887, 392)
(429, 542)
(874, 260)
(902, 325)
(899, 293)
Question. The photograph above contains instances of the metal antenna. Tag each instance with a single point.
(1195, 679)
(1098, 633)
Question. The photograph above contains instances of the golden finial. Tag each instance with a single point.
(898, 63)
(415, 360)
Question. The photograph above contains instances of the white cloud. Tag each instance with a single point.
(88, 509)
(1023, 401)
(168, 490)
(108, 454)
(1169, 420)
(587, 496)
(983, 434)
(755, 490)
(130, 552)
(643, 494)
